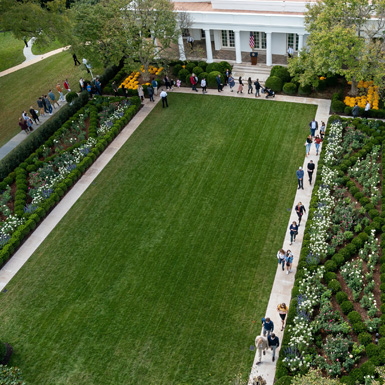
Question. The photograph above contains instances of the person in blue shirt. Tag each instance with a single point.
(300, 178)
(154, 84)
(268, 326)
(293, 232)
(273, 342)
(289, 261)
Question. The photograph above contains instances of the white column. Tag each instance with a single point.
(209, 51)
(269, 56)
(238, 53)
(182, 56)
(300, 42)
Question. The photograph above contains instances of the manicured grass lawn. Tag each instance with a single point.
(22, 88)
(11, 51)
(40, 50)
(161, 272)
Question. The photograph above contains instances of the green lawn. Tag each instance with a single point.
(162, 270)
(11, 51)
(40, 50)
(22, 88)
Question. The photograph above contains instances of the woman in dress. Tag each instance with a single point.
(140, 92)
(308, 143)
(231, 83)
(282, 310)
(240, 87)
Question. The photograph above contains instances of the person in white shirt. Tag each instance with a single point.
(290, 52)
(367, 108)
(190, 40)
(163, 95)
(204, 85)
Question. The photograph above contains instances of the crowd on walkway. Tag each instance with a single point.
(45, 105)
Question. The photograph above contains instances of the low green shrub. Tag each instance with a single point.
(290, 88)
(275, 83)
(304, 90)
(71, 96)
(341, 296)
(330, 266)
(334, 286)
(329, 276)
(281, 72)
(347, 307)
(212, 78)
(364, 338)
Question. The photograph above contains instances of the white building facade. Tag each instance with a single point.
(228, 25)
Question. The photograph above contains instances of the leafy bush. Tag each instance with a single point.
(347, 307)
(341, 296)
(368, 368)
(176, 69)
(197, 70)
(304, 90)
(275, 83)
(334, 286)
(202, 75)
(338, 107)
(71, 96)
(182, 74)
(321, 86)
(285, 380)
(330, 266)
(339, 259)
(203, 65)
(354, 317)
(281, 72)
(189, 66)
(289, 88)
(213, 67)
(348, 110)
(329, 276)
(212, 78)
(357, 376)
(364, 338)
(224, 66)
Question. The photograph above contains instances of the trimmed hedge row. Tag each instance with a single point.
(20, 175)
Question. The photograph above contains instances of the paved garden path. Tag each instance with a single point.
(30, 58)
(283, 283)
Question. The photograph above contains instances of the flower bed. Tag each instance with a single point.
(37, 184)
(336, 320)
(132, 81)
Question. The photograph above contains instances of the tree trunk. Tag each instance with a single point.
(146, 74)
(353, 88)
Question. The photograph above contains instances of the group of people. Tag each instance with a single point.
(272, 341)
(312, 137)
(45, 106)
(95, 89)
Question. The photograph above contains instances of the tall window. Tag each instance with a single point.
(260, 40)
(228, 39)
(290, 41)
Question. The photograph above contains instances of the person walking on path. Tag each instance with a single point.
(313, 127)
(163, 95)
(268, 326)
(48, 103)
(67, 85)
(293, 232)
(240, 87)
(53, 99)
(367, 108)
(98, 87)
(76, 61)
(322, 130)
(41, 106)
(273, 342)
(257, 86)
(154, 84)
(59, 89)
(82, 86)
(308, 143)
(355, 111)
(289, 261)
(317, 142)
(249, 86)
(281, 258)
(204, 86)
(282, 311)
(167, 83)
(46, 110)
(227, 75)
(300, 174)
(89, 89)
(261, 345)
(23, 125)
(140, 92)
(219, 82)
(310, 170)
(194, 81)
(300, 210)
(150, 92)
(34, 115)
(231, 83)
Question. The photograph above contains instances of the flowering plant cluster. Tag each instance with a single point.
(334, 149)
(5, 197)
(353, 276)
(368, 93)
(106, 121)
(132, 81)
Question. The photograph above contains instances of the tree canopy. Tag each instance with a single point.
(141, 31)
(346, 38)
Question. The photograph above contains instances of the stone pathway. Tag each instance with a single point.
(281, 290)
(18, 138)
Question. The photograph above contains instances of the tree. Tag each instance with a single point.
(344, 40)
(24, 18)
(140, 31)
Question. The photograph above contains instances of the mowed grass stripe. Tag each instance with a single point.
(156, 275)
